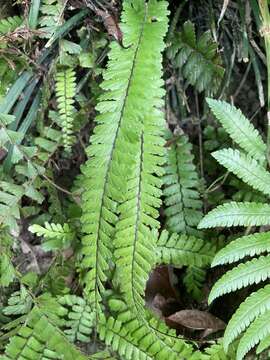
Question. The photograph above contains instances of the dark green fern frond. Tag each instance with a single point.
(239, 128)
(198, 58)
(237, 214)
(250, 245)
(255, 305)
(10, 24)
(183, 250)
(251, 272)
(181, 196)
(65, 92)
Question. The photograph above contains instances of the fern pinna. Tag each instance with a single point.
(248, 164)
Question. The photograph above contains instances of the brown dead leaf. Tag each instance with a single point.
(195, 320)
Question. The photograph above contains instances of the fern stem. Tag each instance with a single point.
(265, 32)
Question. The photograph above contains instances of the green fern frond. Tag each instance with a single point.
(216, 352)
(255, 305)
(250, 245)
(10, 24)
(245, 168)
(49, 21)
(183, 250)
(181, 197)
(80, 321)
(251, 272)
(239, 128)
(237, 214)
(257, 331)
(65, 88)
(198, 58)
(193, 280)
(113, 175)
(7, 270)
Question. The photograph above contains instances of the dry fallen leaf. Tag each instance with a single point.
(195, 320)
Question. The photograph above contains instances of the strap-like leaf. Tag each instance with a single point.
(237, 214)
(239, 128)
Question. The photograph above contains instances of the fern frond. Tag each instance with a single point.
(237, 214)
(245, 168)
(255, 305)
(10, 24)
(80, 321)
(251, 272)
(239, 128)
(257, 331)
(198, 58)
(250, 245)
(183, 250)
(193, 280)
(65, 88)
(216, 352)
(181, 197)
(128, 120)
(51, 13)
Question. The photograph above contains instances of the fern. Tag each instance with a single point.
(65, 93)
(181, 197)
(57, 236)
(183, 250)
(253, 314)
(250, 245)
(7, 271)
(198, 58)
(244, 167)
(10, 24)
(135, 187)
(237, 214)
(49, 21)
(239, 128)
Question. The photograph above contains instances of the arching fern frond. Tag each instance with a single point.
(181, 196)
(256, 304)
(245, 168)
(237, 214)
(257, 331)
(65, 88)
(198, 58)
(251, 272)
(250, 245)
(183, 250)
(239, 128)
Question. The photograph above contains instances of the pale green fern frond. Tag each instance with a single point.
(10, 24)
(80, 321)
(256, 332)
(250, 245)
(183, 250)
(251, 272)
(245, 168)
(49, 21)
(65, 88)
(239, 128)
(198, 58)
(181, 196)
(237, 214)
(255, 305)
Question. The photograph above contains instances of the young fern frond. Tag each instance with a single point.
(10, 24)
(197, 58)
(237, 214)
(183, 250)
(65, 88)
(245, 168)
(255, 305)
(239, 128)
(80, 321)
(250, 245)
(181, 197)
